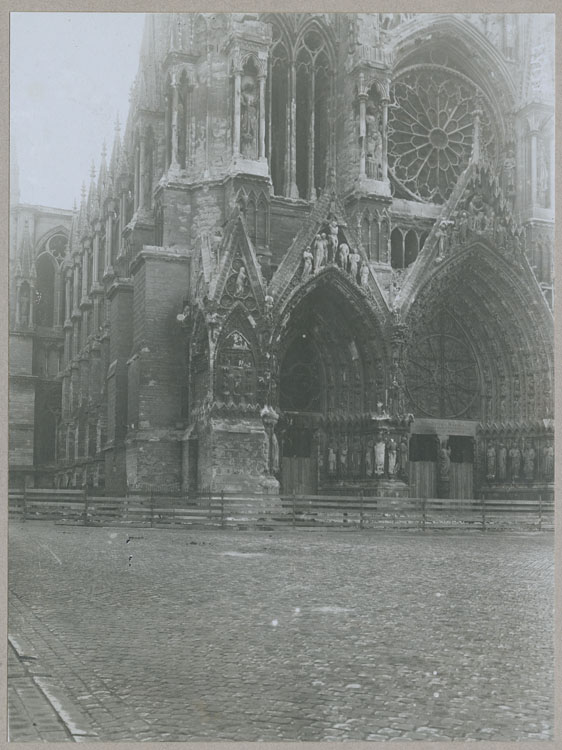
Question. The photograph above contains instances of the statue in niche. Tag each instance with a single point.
(332, 461)
(548, 462)
(509, 171)
(391, 454)
(274, 453)
(343, 458)
(403, 457)
(542, 175)
(502, 462)
(268, 304)
(319, 251)
(463, 227)
(308, 261)
(491, 462)
(364, 274)
(442, 240)
(333, 231)
(249, 117)
(444, 461)
(354, 260)
(241, 281)
(514, 461)
(380, 451)
(369, 458)
(373, 146)
(500, 232)
(343, 256)
(529, 461)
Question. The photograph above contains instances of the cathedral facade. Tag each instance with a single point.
(317, 259)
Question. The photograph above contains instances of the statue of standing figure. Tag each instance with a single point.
(380, 450)
(491, 462)
(332, 461)
(319, 251)
(332, 240)
(354, 260)
(403, 457)
(528, 462)
(373, 148)
(391, 454)
(240, 281)
(343, 459)
(308, 261)
(502, 462)
(514, 462)
(548, 462)
(364, 274)
(343, 256)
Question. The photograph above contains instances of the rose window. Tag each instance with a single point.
(442, 375)
(430, 130)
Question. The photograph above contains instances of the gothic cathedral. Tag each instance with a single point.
(318, 259)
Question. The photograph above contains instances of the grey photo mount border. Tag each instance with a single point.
(228, 6)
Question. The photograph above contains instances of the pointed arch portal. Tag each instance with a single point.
(332, 373)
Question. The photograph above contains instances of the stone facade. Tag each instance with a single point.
(316, 233)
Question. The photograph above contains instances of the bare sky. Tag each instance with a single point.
(70, 76)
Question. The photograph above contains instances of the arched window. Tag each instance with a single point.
(249, 110)
(397, 249)
(312, 113)
(279, 120)
(47, 269)
(184, 113)
(299, 113)
(410, 248)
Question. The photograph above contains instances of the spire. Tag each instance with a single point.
(26, 254)
(82, 219)
(102, 176)
(116, 151)
(92, 194)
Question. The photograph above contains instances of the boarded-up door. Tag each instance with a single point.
(423, 478)
(299, 475)
(461, 481)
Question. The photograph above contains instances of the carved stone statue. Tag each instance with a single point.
(364, 274)
(308, 260)
(249, 117)
(514, 462)
(442, 240)
(380, 451)
(542, 175)
(354, 259)
(332, 240)
(444, 462)
(332, 461)
(509, 170)
(548, 462)
(319, 251)
(373, 145)
(369, 459)
(240, 281)
(268, 304)
(528, 462)
(491, 462)
(502, 462)
(391, 454)
(403, 457)
(343, 459)
(463, 227)
(343, 255)
(274, 453)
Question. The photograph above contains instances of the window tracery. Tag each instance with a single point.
(430, 130)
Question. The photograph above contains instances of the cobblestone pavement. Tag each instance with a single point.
(284, 635)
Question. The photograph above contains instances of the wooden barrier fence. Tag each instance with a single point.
(221, 510)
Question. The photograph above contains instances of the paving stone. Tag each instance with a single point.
(181, 647)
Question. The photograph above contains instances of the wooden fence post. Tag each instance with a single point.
(423, 502)
(540, 511)
(483, 513)
(222, 509)
(294, 508)
(361, 509)
(24, 502)
(151, 508)
(86, 507)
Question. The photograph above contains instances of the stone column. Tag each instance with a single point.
(108, 239)
(293, 189)
(18, 302)
(236, 134)
(261, 145)
(142, 170)
(95, 255)
(311, 173)
(57, 300)
(68, 280)
(384, 128)
(175, 163)
(362, 133)
(84, 274)
(551, 175)
(533, 136)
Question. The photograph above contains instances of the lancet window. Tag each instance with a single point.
(299, 112)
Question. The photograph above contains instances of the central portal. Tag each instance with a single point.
(332, 388)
